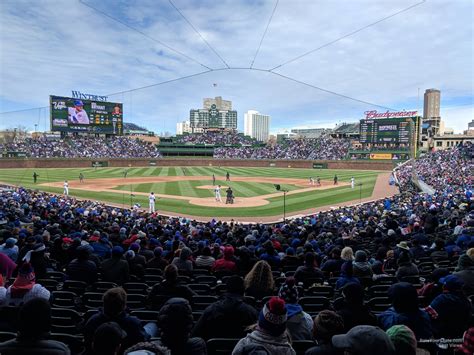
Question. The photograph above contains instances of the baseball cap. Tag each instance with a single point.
(364, 339)
(78, 103)
(452, 283)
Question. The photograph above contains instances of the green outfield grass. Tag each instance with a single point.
(295, 202)
(191, 188)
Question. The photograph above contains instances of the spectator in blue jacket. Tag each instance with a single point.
(453, 309)
(405, 311)
(102, 247)
(114, 310)
(346, 275)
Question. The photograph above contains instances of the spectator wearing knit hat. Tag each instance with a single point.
(361, 266)
(116, 269)
(270, 332)
(404, 340)
(23, 289)
(299, 323)
(326, 325)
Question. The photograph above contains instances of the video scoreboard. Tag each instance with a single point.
(389, 130)
(88, 116)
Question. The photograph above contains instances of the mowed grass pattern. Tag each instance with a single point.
(295, 202)
(191, 188)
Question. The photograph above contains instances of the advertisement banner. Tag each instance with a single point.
(320, 165)
(381, 156)
(100, 164)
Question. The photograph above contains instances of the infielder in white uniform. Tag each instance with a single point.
(66, 188)
(311, 181)
(151, 205)
(77, 114)
(352, 182)
(217, 191)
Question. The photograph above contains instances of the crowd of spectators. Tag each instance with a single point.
(216, 138)
(443, 170)
(387, 277)
(82, 147)
(322, 148)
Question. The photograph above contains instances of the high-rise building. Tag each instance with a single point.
(431, 110)
(257, 125)
(215, 114)
(183, 127)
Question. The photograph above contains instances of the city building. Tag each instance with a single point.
(431, 110)
(470, 125)
(183, 127)
(450, 140)
(257, 125)
(310, 132)
(215, 114)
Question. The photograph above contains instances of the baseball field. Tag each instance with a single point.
(189, 191)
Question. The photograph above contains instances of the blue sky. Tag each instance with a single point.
(55, 46)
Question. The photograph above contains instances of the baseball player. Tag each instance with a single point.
(217, 192)
(151, 205)
(81, 177)
(335, 179)
(66, 188)
(227, 176)
(35, 177)
(318, 181)
(311, 181)
(77, 114)
(213, 180)
(352, 182)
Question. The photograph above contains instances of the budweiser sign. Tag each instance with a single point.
(375, 114)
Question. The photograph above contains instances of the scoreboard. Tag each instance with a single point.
(389, 130)
(88, 116)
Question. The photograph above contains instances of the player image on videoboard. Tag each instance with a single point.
(77, 114)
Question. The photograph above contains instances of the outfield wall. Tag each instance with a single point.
(87, 163)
